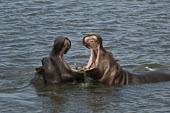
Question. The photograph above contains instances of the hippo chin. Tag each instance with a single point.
(104, 68)
(54, 69)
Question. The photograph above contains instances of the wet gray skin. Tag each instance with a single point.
(105, 69)
(54, 69)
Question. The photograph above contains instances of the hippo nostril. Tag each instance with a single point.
(91, 41)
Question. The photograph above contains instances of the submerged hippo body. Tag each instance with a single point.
(54, 69)
(104, 68)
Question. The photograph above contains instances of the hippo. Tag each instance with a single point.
(54, 68)
(104, 68)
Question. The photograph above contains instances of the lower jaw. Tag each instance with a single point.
(64, 63)
(91, 68)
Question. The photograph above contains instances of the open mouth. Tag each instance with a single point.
(93, 43)
(66, 46)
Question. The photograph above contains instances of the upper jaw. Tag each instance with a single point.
(67, 66)
(91, 63)
(66, 47)
(94, 59)
(91, 42)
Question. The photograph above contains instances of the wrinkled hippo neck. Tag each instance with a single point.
(100, 55)
(117, 76)
(113, 74)
(121, 77)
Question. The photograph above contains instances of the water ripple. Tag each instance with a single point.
(135, 31)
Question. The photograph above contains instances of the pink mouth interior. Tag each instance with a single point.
(91, 43)
(91, 64)
(65, 47)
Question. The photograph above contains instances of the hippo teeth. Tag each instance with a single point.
(93, 61)
(76, 67)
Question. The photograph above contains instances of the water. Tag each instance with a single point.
(136, 31)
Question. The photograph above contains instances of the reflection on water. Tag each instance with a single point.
(136, 31)
(97, 100)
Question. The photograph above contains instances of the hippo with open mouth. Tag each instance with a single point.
(54, 68)
(105, 69)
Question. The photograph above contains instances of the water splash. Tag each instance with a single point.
(150, 69)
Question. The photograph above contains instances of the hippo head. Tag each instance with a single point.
(101, 61)
(54, 68)
(61, 46)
